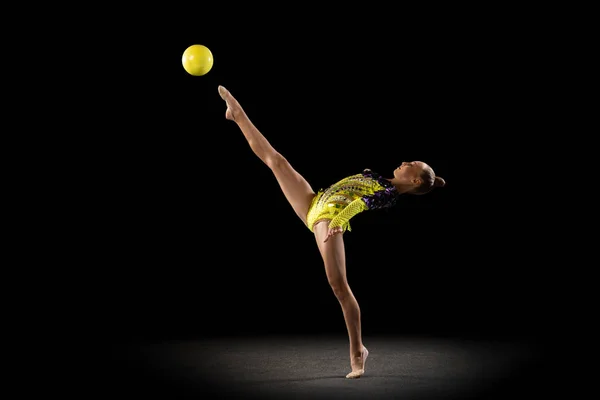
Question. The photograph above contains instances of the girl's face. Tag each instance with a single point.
(410, 172)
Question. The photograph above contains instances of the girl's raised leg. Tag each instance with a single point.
(296, 189)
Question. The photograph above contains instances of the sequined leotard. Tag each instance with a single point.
(350, 196)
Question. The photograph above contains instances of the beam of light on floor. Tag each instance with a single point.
(315, 366)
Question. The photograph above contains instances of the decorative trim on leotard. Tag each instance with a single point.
(384, 198)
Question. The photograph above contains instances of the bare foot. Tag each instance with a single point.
(358, 365)
(233, 107)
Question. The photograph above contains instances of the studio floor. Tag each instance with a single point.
(314, 367)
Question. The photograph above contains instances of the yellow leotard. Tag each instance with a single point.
(349, 197)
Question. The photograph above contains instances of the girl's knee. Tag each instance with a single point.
(276, 162)
(340, 288)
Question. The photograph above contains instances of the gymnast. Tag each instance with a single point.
(327, 212)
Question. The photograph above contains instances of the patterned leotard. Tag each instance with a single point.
(350, 196)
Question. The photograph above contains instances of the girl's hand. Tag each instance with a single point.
(333, 231)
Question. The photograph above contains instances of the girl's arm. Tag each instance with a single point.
(343, 218)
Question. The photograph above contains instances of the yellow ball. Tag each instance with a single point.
(197, 60)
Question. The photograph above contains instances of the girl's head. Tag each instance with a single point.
(417, 177)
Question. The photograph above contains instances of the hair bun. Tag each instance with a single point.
(439, 182)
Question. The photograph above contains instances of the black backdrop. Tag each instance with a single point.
(180, 231)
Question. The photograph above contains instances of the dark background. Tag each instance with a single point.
(177, 230)
(161, 224)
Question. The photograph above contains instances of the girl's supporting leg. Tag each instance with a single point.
(333, 253)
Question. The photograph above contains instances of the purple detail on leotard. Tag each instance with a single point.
(384, 198)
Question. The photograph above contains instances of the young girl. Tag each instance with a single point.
(328, 212)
